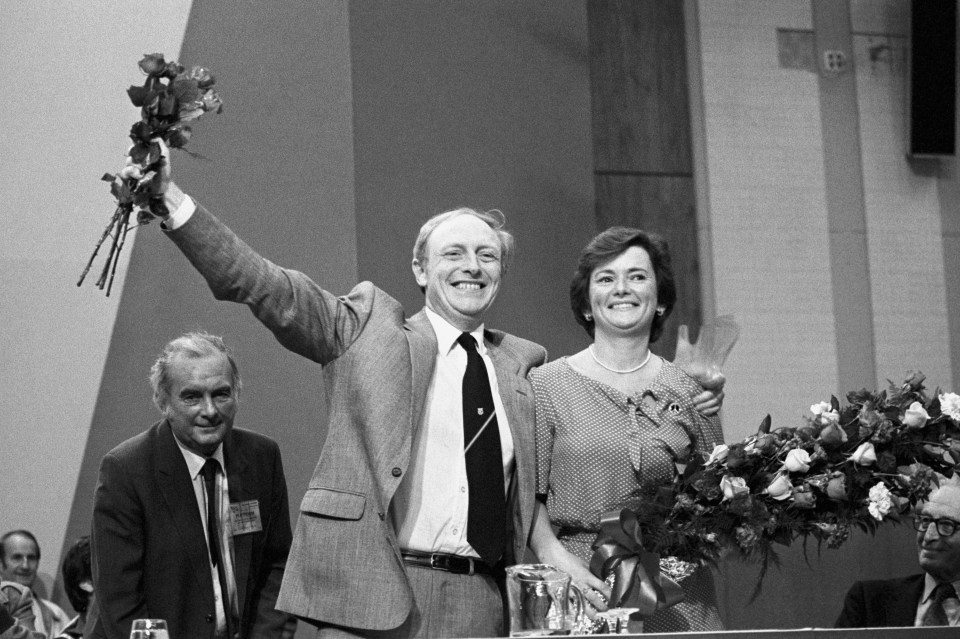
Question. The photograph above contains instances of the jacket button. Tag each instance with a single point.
(209, 618)
(396, 472)
(380, 515)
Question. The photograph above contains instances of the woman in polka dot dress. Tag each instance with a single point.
(613, 419)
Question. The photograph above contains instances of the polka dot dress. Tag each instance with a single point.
(599, 449)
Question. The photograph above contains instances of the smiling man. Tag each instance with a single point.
(19, 561)
(191, 522)
(927, 599)
(425, 486)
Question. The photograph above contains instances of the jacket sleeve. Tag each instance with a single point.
(116, 548)
(304, 317)
(267, 620)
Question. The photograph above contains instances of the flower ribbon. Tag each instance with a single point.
(618, 549)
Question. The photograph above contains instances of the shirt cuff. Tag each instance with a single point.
(183, 213)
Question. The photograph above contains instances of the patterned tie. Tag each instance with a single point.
(210, 469)
(936, 615)
(486, 518)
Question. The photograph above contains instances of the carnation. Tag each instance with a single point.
(950, 405)
(879, 501)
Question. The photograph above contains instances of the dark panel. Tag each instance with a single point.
(663, 205)
(933, 77)
(641, 114)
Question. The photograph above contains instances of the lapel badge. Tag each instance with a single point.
(480, 411)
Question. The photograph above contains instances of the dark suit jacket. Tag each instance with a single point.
(345, 566)
(883, 603)
(149, 554)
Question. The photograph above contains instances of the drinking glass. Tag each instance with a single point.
(149, 629)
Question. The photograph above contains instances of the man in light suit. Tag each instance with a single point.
(917, 600)
(380, 547)
(191, 522)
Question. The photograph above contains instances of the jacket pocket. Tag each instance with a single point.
(338, 504)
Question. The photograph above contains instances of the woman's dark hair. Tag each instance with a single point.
(76, 570)
(605, 247)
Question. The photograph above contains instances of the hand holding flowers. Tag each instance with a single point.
(170, 98)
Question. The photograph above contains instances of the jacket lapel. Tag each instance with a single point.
(422, 342)
(511, 395)
(176, 486)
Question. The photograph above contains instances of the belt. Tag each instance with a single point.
(457, 564)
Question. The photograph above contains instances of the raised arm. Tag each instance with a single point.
(304, 317)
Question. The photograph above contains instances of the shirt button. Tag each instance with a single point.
(463, 489)
(456, 532)
(396, 472)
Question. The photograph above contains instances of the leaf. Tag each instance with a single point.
(138, 95)
(765, 425)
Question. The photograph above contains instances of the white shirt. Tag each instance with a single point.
(429, 509)
(195, 464)
(950, 606)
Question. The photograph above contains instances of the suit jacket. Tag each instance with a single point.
(149, 554)
(345, 566)
(883, 603)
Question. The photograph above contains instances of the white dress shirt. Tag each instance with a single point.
(429, 509)
(195, 466)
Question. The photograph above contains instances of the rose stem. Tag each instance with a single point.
(96, 250)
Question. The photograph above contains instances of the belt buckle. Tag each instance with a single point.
(452, 563)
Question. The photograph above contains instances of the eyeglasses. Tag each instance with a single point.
(945, 527)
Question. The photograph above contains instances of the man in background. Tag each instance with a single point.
(925, 599)
(190, 521)
(19, 561)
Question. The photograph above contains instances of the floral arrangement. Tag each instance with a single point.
(169, 99)
(849, 467)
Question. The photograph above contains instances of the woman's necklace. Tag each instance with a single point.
(614, 370)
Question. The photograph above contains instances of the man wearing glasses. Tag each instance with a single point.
(927, 599)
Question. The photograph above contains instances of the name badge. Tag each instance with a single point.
(245, 517)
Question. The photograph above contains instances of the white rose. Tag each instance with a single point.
(915, 416)
(780, 488)
(865, 455)
(719, 454)
(733, 486)
(798, 461)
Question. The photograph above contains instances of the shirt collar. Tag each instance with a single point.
(195, 462)
(447, 333)
(929, 583)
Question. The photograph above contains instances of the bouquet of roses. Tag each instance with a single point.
(854, 466)
(170, 98)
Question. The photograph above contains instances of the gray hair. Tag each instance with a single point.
(193, 345)
(494, 218)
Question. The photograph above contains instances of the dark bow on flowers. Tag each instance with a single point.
(638, 582)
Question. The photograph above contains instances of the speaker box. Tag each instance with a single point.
(933, 78)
